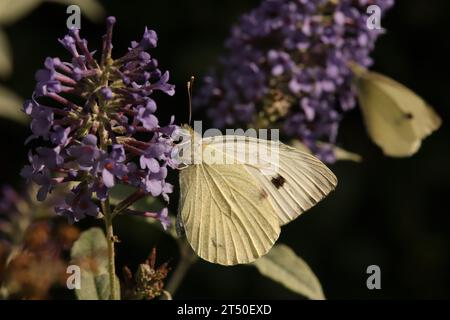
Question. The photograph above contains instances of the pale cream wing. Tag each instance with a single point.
(227, 216)
(294, 180)
(300, 183)
(397, 119)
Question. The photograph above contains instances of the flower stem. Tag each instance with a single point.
(111, 254)
(187, 259)
(137, 195)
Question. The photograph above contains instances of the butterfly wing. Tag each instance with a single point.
(300, 182)
(227, 216)
(397, 120)
(294, 180)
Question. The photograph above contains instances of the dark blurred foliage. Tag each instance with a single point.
(389, 212)
(37, 268)
(148, 281)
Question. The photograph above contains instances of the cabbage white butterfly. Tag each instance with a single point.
(397, 119)
(232, 210)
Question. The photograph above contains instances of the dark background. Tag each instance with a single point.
(389, 212)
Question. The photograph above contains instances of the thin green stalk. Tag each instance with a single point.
(111, 253)
(128, 202)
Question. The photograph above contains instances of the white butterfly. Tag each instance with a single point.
(397, 119)
(232, 210)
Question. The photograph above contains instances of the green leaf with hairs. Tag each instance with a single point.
(6, 63)
(90, 253)
(282, 265)
(13, 10)
(11, 105)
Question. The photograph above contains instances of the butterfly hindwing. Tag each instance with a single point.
(227, 216)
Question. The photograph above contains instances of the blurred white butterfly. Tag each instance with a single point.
(397, 119)
(233, 201)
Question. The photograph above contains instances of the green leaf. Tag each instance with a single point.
(92, 9)
(91, 244)
(89, 252)
(5, 55)
(102, 287)
(282, 265)
(95, 287)
(10, 106)
(342, 154)
(13, 10)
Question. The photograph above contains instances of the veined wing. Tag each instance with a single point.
(227, 216)
(294, 180)
(396, 118)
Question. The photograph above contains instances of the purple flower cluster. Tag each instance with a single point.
(287, 65)
(96, 121)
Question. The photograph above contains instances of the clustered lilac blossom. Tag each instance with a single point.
(96, 124)
(287, 65)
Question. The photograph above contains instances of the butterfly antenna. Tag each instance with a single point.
(190, 84)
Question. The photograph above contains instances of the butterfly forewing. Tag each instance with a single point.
(294, 180)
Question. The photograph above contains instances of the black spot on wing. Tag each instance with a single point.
(409, 116)
(278, 181)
